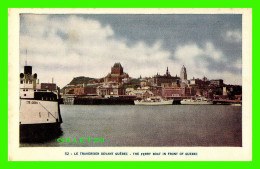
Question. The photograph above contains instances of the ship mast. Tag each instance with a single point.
(26, 58)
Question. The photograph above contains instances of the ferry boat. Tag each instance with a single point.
(197, 101)
(39, 111)
(154, 101)
(236, 104)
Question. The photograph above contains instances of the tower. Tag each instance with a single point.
(167, 72)
(183, 74)
(117, 69)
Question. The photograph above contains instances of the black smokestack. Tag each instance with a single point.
(28, 70)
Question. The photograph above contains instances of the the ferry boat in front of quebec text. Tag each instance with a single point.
(39, 109)
(154, 101)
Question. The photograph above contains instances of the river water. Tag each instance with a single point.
(169, 125)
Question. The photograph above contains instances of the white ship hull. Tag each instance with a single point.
(196, 102)
(162, 102)
(39, 120)
(236, 104)
(39, 111)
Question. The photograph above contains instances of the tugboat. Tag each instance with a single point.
(39, 109)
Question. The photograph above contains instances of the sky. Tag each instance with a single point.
(66, 46)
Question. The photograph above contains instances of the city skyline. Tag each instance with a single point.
(67, 46)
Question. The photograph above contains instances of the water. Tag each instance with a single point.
(171, 125)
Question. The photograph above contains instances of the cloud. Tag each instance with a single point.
(74, 46)
(192, 50)
(206, 60)
(238, 64)
(69, 46)
(233, 36)
(197, 58)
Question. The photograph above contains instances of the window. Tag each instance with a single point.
(24, 94)
(21, 81)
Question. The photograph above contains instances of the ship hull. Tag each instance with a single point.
(39, 111)
(39, 120)
(39, 132)
(168, 102)
(196, 103)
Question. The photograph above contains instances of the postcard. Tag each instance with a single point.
(130, 84)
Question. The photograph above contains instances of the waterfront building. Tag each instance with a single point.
(110, 88)
(173, 91)
(193, 81)
(159, 80)
(69, 91)
(177, 91)
(224, 91)
(85, 91)
(199, 82)
(141, 93)
(156, 90)
(126, 79)
(216, 82)
(145, 82)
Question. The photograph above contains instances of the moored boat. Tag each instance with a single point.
(154, 101)
(39, 111)
(197, 101)
(236, 104)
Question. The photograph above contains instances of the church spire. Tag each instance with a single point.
(183, 74)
